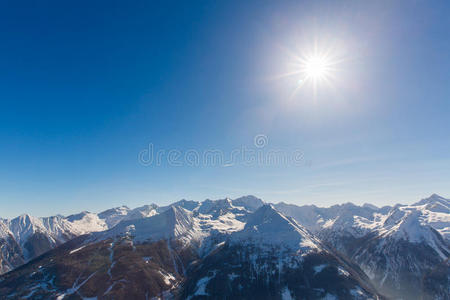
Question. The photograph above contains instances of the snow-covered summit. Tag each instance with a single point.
(370, 206)
(144, 211)
(435, 203)
(434, 198)
(186, 204)
(24, 225)
(114, 215)
(417, 225)
(217, 208)
(412, 222)
(251, 203)
(175, 222)
(267, 226)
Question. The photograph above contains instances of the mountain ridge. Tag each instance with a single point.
(379, 241)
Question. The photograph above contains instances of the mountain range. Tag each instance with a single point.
(231, 249)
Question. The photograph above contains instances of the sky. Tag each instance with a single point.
(89, 89)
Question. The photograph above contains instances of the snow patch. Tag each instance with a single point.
(357, 292)
(200, 289)
(76, 250)
(167, 277)
(343, 272)
(319, 268)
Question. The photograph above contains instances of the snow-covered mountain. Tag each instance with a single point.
(194, 254)
(273, 257)
(268, 228)
(237, 248)
(11, 253)
(26, 237)
(395, 246)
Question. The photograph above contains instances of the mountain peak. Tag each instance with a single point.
(78, 216)
(406, 224)
(216, 207)
(175, 222)
(435, 203)
(25, 218)
(434, 195)
(186, 204)
(267, 226)
(370, 206)
(249, 202)
(433, 199)
(114, 215)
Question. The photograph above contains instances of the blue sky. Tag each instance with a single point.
(85, 87)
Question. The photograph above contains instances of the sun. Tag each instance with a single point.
(316, 67)
(315, 70)
(313, 67)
